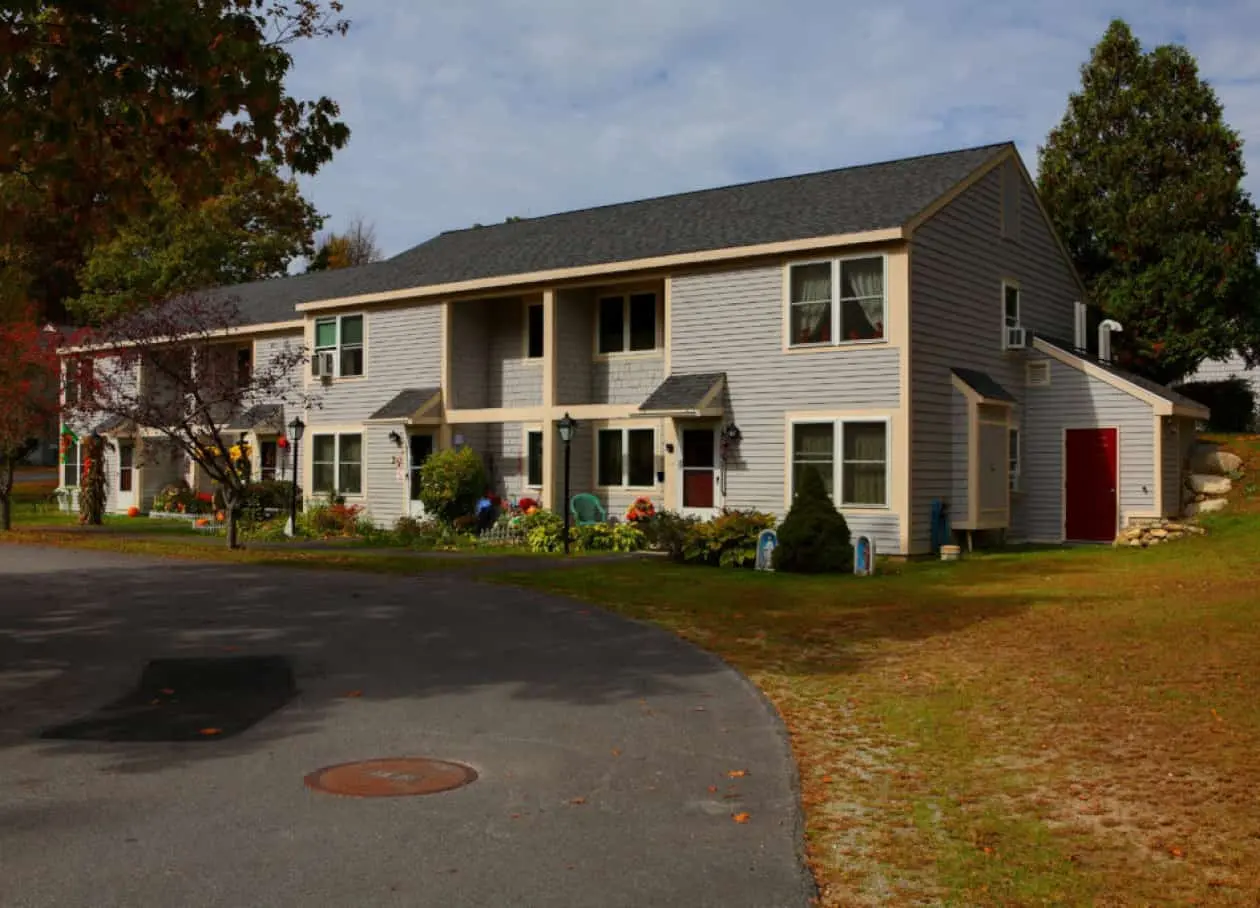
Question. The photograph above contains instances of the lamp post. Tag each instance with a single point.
(296, 428)
(567, 428)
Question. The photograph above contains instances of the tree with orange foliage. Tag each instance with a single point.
(28, 399)
(96, 97)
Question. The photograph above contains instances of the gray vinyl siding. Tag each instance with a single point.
(470, 388)
(266, 351)
(503, 454)
(1078, 401)
(1234, 367)
(161, 464)
(489, 367)
(403, 350)
(386, 495)
(626, 380)
(958, 260)
(575, 333)
(732, 322)
(1171, 466)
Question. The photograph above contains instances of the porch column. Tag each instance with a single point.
(669, 463)
(553, 457)
(553, 466)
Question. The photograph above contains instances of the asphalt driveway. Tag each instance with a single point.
(604, 748)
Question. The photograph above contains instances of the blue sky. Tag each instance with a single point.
(472, 111)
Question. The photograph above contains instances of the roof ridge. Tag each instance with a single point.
(698, 192)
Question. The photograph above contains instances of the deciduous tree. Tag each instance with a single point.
(28, 399)
(357, 246)
(251, 231)
(94, 97)
(1143, 179)
(191, 388)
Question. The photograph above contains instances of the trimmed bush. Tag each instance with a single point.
(1232, 402)
(728, 540)
(814, 537)
(451, 481)
(669, 531)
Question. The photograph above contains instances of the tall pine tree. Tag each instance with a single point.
(1143, 179)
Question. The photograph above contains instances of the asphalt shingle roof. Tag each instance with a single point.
(405, 403)
(682, 392)
(828, 203)
(1145, 384)
(984, 385)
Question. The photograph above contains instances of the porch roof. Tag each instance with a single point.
(408, 404)
(261, 416)
(984, 385)
(686, 394)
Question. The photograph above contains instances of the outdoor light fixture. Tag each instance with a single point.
(567, 427)
(296, 429)
(732, 433)
(395, 437)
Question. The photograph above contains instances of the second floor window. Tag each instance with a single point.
(534, 331)
(342, 336)
(836, 301)
(627, 323)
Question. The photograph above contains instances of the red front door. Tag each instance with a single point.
(1090, 483)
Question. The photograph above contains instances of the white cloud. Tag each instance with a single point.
(472, 112)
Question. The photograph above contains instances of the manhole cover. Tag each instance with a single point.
(390, 778)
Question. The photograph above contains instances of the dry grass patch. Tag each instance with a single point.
(1047, 728)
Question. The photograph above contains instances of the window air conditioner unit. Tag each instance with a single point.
(1016, 337)
(322, 364)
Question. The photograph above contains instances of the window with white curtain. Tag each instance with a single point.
(836, 301)
(860, 472)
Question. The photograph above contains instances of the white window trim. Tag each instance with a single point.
(625, 457)
(336, 463)
(1015, 469)
(1012, 284)
(77, 449)
(625, 351)
(533, 360)
(525, 483)
(837, 479)
(338, 347)
(836, 340)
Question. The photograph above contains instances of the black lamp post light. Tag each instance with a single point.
(567, 428)
(296, 428)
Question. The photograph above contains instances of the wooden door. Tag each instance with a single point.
(1091, 482)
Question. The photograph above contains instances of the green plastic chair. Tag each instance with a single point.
(587, 510)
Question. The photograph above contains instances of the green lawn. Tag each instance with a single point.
(1056, 727)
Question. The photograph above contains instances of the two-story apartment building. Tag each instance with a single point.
(912, 329)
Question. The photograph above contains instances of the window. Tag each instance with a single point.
(343, 337)
(244, 367)
(126, 466)
(268, 460)
(80, 373)
(534, 459)
(860, 473)
(837, 301)
(627, 323)
(813, 447)
(626, 457)
(534, 331)
(71, 468)
(1013, 455)
(337, 464)
(1010, 305)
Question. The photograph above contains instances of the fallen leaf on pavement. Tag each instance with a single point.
(737, 773)
(577, 800)
(741, 818)
(616, 751)
(355, 693)
(167, 690)
(712, 789)
(827, 779)
(211, 731)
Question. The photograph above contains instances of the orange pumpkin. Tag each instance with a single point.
(220, 517)
(133, 511)
(201, 522)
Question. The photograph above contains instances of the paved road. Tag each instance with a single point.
(549, 701)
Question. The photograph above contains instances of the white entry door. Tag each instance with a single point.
(125, 494)
(701, 478)
(419, 447)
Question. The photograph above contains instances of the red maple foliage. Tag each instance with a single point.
(28, 398)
